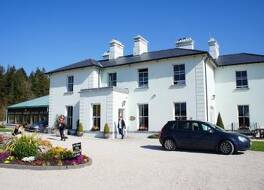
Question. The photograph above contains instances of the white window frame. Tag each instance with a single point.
(179, 72)
(143, 82)
(143, 116)
(111, 82)
(241, 78)
(70, 83)
(238, 117)
(69, 118)
(180, 117)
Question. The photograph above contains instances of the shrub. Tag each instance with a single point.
(80, 128)
(2, 126)
(106, 129)
(219, 121)
(56, 153)
(25, 146)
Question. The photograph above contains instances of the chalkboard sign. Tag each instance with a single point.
(77, 149)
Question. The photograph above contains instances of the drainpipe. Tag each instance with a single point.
(206, 88)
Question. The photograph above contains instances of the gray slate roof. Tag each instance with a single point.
(240, 58)
(129, 59)
(223, 60)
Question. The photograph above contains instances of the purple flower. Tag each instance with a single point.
(4, 156)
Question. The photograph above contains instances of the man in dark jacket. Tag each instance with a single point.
(121, 126)
(61, 127)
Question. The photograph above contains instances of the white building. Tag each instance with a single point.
(150, 88)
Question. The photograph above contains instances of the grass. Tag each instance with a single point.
(257, 146)
(5, 130)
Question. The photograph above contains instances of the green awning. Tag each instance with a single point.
(34, 103)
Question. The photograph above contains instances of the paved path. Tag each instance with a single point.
(139, 163)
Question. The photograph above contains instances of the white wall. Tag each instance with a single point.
(161, 94)
(228, 97)
(210, 75)
(109, 100)
(59, 98)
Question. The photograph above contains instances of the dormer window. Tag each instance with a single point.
(70, 81)
(241, 79)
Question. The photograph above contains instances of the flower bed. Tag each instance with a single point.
(29, 150)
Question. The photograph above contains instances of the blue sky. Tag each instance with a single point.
(54, 33)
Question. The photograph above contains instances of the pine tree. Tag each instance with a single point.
(2, 93)
(219, 121)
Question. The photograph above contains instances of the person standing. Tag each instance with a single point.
(121, 126)
(61, 127)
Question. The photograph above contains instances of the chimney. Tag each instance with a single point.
(140, 45)
(106, 55)
(116, 49)
(213, 48)
(185, 43)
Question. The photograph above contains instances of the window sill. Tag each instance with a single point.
(68, 93)
(142, 88)
(242, 89)
(177, 86)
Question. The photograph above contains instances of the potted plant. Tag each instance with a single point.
(79, 130)
(106, 131)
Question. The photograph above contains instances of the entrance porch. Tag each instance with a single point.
(99, 106)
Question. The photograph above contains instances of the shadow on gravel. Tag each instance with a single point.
(160, 148)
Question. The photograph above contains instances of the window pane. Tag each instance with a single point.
(177, 109)
(246, 111)
(179, 74)
(238, 74)
(240, 110)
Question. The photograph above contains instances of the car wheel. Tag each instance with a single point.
(169, 145)
(226, 147)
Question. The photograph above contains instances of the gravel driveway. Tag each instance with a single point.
(140, 163)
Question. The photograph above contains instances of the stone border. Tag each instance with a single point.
(30, 167)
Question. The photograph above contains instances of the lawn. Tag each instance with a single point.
(257, 146)
(6, 129)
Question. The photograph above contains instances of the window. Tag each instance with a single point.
(241, 79)
(243, 116)
(179, 74)
(70, 83)
(143, 117)
(183, 125)
(180, 111)
(96, 117)
(111, 79)
(143, 78)
(69, 116)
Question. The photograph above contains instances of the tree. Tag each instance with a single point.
(2, 93)
(39, 82)
(21, 87)
(16, 86)
(219, 121)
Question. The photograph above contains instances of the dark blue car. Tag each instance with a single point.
(191, 134)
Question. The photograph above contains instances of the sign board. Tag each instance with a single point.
(77, 149)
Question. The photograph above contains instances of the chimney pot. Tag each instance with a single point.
(140, 45)
(185, 43)
(116, 49)
(213, 48)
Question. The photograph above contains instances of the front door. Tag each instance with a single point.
(96, 117)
